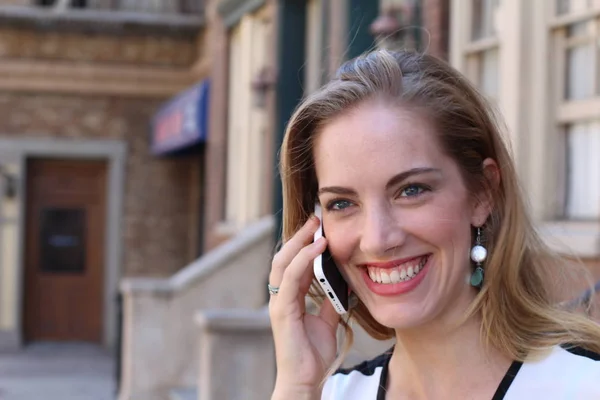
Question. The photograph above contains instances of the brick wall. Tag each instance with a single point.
(159, 210)
(161, 204)
(151, 50)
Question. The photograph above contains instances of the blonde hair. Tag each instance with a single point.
(518, 302)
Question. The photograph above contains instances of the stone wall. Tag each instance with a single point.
(161, 194)
(150, 50)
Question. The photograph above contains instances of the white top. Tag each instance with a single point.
(563, 374)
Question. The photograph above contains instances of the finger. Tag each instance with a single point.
(328, 314)
(289, 250)
(290, 287)
(306, 281)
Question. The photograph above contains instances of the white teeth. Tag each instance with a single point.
(385, 278)
(403, 274)
(395, 275)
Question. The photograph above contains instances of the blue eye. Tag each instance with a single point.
(338, 205)
(412, 190)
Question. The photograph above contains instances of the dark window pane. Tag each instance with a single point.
(483, 18)
(62, 240)
(562, 7)
(72, 3)
(79, 3)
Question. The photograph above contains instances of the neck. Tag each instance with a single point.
(447, 355)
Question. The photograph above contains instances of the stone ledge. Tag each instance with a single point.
(234, 320)
(66, 77)
(578, 238)
(184, 394)
(206, 265)
(101, 20)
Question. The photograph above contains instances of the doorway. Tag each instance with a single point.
(64, 250)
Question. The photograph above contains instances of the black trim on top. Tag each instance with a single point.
(383, 360)
(368, 367)
(508, 379)
(383, 379)
(580, 351)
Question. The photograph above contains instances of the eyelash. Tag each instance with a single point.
(421, 187)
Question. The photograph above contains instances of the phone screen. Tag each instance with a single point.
(335, 278)
(328, 274)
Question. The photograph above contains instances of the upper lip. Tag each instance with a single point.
(391, 264)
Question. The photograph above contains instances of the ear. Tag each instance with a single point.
(484, 200)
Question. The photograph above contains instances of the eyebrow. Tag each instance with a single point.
(396, 179)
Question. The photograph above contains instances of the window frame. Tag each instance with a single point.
(571, 111)
(534, 114)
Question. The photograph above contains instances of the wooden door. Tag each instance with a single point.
(64, 260)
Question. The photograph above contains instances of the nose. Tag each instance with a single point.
(382, 232)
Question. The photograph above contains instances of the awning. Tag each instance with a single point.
(182, 122)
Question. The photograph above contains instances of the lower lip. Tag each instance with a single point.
(393, 289)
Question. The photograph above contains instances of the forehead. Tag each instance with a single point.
(376, 140)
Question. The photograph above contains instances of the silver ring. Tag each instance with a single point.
(272, 289)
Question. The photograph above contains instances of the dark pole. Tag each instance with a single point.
(290, 83)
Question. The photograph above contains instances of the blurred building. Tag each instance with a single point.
(138, 155)
(183, 333)
(539, 63)
(87, 196)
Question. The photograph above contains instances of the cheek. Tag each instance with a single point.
(443, 223)
(341, 245)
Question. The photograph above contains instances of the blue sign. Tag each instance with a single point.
(182, 122)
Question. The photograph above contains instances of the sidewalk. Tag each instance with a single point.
(52, 371)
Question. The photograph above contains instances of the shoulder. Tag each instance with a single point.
(565, 372)
(358, 382)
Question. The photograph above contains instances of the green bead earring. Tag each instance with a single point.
(478, 255)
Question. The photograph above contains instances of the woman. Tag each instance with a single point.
(410, 170)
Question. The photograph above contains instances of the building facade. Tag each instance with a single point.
(84, 201)
(539, 63)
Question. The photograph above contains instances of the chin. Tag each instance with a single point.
(400, 316)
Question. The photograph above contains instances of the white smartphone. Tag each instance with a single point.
(328, 275)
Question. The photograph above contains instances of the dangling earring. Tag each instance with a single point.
(478, 255)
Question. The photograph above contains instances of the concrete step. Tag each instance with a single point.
(183, 394)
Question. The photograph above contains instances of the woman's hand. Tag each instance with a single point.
(305, 345)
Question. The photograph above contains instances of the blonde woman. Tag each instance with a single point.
(423, 216)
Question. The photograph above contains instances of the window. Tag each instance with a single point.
(69, 3)
(483, 51)
(482, 19)
(583, 170)
(62, 240)
(575, 6)
(247, 139)
(575, 31)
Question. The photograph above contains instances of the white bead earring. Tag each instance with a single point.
(478, 255)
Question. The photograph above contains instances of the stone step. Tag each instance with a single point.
(183, 394)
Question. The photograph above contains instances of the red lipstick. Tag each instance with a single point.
(394, 289)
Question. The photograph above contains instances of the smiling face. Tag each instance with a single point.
(397, 214)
